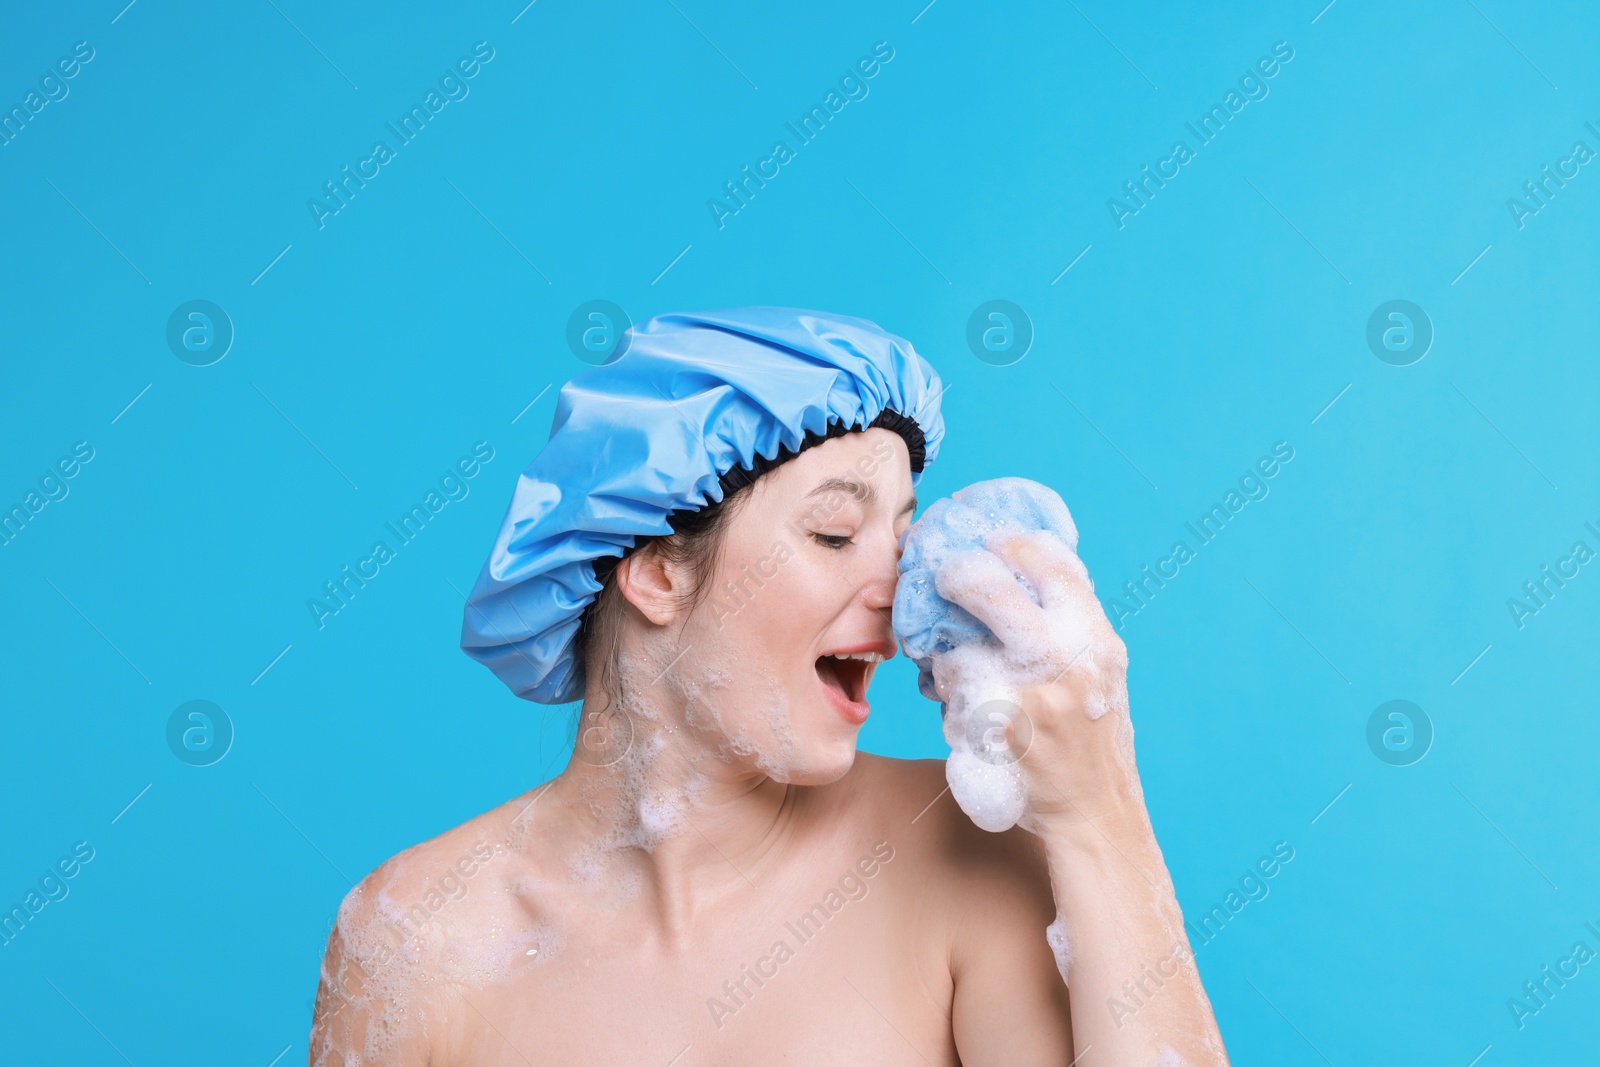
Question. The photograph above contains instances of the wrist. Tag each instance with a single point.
(1104, 862)
(1117, 827)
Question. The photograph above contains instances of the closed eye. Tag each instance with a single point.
(834, 541)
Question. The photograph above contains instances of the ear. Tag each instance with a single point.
(653, 584)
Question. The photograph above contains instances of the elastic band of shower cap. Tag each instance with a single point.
(698, 405)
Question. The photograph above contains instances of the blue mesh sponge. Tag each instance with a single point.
(925, 623)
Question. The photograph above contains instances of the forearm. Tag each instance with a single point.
(1132, 982)
(1134, 994)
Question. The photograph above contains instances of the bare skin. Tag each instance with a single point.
(718, 877)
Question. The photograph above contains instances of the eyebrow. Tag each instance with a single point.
(862, 491)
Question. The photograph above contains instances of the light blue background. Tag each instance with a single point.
(1221, 319)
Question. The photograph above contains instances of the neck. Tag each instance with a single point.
(658, 815)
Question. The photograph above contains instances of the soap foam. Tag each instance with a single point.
(1060, 946)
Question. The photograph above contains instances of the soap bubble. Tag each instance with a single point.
(1055, 935)
(986, 732)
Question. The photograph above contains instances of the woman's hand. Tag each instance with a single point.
(1072, 730)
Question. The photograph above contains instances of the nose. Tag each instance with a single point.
(878, 591)
(878, 594)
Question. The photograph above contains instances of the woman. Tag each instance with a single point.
(705, 553)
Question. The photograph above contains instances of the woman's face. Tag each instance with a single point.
(807, 568)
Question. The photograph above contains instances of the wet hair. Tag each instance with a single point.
(696, 539)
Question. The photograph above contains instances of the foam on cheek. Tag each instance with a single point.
(780, 763)
(750, 722)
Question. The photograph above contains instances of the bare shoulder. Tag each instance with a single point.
(896, 789)
(418, 886)
(910, 801)
(389, 945)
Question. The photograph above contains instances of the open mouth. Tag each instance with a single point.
(849, 674)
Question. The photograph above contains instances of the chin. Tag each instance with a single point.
(820, 764)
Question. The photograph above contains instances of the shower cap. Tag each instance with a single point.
(697, 405)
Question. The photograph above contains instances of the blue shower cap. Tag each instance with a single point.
(696, 403)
